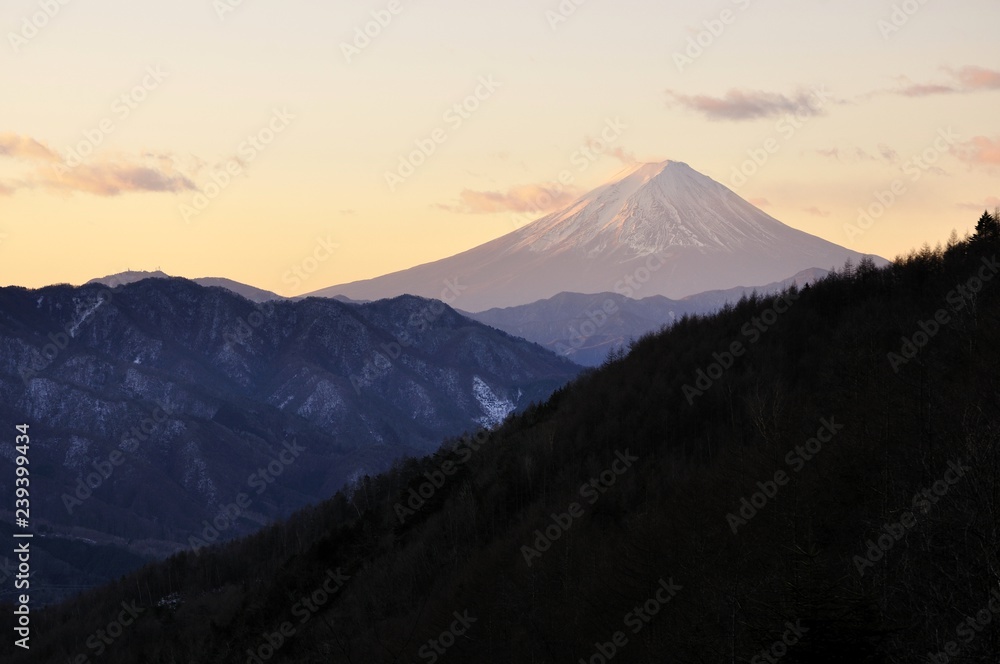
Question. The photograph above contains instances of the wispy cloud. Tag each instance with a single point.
(108, 176)
(978, 78)
(980, 151)
(112, 179)
(991, 203)
(883, 153)
(746, 104)
(25, 147)
(816, 212)
(759, 202)
(627, 158)
(964, 80)
(529, 198)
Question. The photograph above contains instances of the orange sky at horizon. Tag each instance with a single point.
(245, 140)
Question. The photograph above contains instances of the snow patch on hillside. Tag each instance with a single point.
(495, 408)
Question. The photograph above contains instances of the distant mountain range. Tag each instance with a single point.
(811, 500)
(659, 229)
(168, 398)
(249, 292)
(586, 328)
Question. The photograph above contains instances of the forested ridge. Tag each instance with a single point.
(824, 491)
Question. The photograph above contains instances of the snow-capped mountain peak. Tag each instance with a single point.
(655, 229)
(648, 209)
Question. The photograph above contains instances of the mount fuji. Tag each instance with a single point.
(658, 229)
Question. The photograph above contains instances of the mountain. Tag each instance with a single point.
(716, 299)
(169, 399)
(830, 497)
(588, 328)
(249, 292)
(659, 229)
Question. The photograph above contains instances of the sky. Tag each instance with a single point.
(299, 144)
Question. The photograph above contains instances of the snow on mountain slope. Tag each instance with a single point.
(658, 229)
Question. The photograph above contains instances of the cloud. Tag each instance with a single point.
(979, 151)
(887, 153)
(964, 80)
(925, 90)
(977, 78)
(815, 211)
(884, 153)
(746, 104)
(113, 179)
(759, 202)
(107, 176)
(25, 147)
(991, 203)
(529, 198)
(624, 157)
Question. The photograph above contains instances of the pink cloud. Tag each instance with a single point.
(112, 179)
(964, 80)
(25, 147)
(978, 78)
(745, 104)
(926, 90)
(980, 151)
(854, 155)
(530, 198)
(101, 177)
(815, 211)
(991, 203)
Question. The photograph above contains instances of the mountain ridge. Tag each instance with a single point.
(675, 231)
(217, 385)
(588, 328)
(252, 293)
